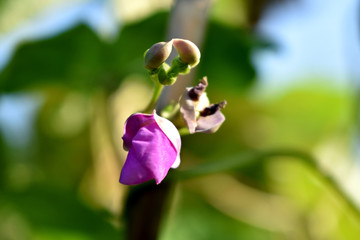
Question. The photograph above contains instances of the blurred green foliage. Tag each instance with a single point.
(79, 59)
(51, 212)
(194, 219)
(227, 64)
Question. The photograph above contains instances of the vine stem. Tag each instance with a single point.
(145, 205)
(156, 94)
(246, 159)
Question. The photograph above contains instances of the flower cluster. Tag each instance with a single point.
(153, 141)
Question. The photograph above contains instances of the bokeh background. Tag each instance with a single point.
(71, 72)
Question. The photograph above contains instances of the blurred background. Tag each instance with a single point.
(71, 72)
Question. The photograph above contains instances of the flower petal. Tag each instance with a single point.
(133, 171)
(132, 126)
(187, 110)
(211, 118)
(150, 156)
(211, 123)
(195, 92)
(169, 130)
(176, 164)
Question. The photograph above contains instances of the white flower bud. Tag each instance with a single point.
(157, 55)
(188, 51)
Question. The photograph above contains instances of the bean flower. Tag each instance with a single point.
(154, 145)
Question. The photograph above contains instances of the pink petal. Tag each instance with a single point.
(150, 157)
(132, 126)
(133, 171)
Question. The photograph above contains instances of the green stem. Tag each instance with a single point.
(156, 94)
(338, 190)
(172, 113)
(245, 159)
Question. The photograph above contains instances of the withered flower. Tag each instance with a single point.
(197, 112)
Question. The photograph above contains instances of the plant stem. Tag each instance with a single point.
(184, 14)
(146, 205)
(156, 94)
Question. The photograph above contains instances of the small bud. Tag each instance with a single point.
(188, 51)
(157, 54)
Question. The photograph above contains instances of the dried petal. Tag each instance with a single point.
(197, 112)
(188, 112)
(198, 90)
(211, 123)
(212, 109)
(211, 118)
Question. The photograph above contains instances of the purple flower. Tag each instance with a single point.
(154, 147)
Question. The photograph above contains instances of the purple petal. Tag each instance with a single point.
(133, 171)
(132, 126)
(150, 157)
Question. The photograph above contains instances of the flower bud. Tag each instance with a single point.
(157, 54)
(188, 51)
(154, 146)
